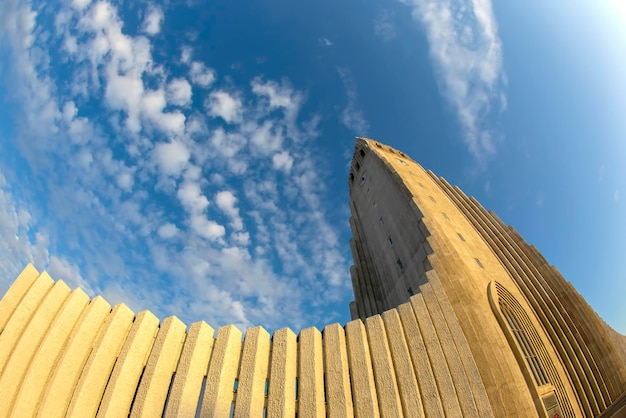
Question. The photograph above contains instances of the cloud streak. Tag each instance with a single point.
(467, 55)
(352, 116)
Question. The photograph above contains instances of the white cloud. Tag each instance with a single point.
(227, 144)
(279, 95)
(81, 4)
(168, 230)
(192, 198)
(324, 42)
(179, 92)
(60, 268)
(125, 181)
(171, 157)
(383, 27)
(266, 138)
(467, 54)
(283, 96)
(282, 161)
(200, 74)
(352, 116)
(226, 201)
(69, 111)
(207, 229)
(185, 55)
(224, 105)
(152, 23)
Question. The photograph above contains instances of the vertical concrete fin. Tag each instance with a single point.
(365, 401)
(281, 397)
(61, 384)
(157, 377)
(439, 365)
(419, 359)
(471, 370)
(405, 375)
(21, 316)
(130, 364)
(253, 373)
(191, 370)
(455, 366)
(28, 343)
(310, 374)
(218, 396)
(95, 375)
(44, 362)
(13, 297)
(389, 402)
(339, 393)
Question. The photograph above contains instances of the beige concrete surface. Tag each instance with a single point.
(458, 316)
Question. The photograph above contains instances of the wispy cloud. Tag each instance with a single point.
(384, 27)
(324, 42)
(352, 116)
(467, 55)
(152, 23)
(207, 213)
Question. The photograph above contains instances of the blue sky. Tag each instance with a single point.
(192, 157)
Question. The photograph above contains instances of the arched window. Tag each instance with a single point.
(542, 378)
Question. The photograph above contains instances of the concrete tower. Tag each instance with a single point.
(454, 315)
(538, 346)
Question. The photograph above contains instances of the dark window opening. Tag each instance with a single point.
(410, 290)
(351, 178)
(362, 153)
(445, 215)
(389, 240)
(479, 263)
(358, 166)
(461, 237)
(400, 265)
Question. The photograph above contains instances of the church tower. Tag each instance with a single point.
(538, 346)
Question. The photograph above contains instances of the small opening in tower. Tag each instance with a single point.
(362, 153)
(358, 166)
(400, 265)
(351, 177)
(479, 263)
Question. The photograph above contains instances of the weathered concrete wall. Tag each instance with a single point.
(432, 233)
(472, 322)
(66, 355)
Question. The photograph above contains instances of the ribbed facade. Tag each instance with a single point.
(567, 361)
(454, 315)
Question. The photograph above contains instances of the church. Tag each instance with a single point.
(453, 315)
